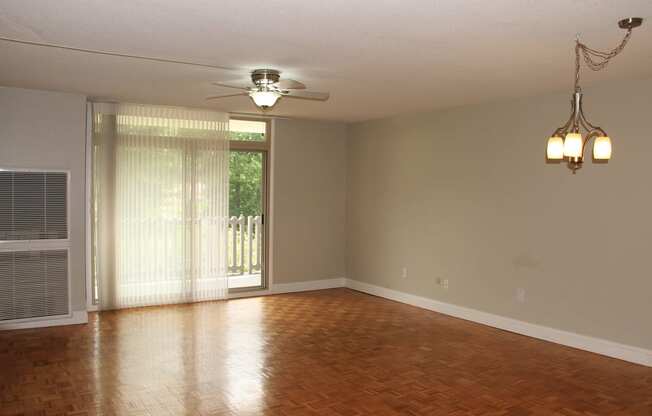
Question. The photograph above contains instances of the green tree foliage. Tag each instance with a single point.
(247, 137)
(245, 179)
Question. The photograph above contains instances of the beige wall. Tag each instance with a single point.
(309, 164)
(465, 195)
(40, 129)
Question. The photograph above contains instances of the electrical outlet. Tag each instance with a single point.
(520, 295)
(404, 273)
(445, 283)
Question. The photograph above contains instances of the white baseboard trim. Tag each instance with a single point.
(596, 345)
(77, 317)
(308, 285)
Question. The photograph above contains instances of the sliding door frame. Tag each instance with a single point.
(91, 304)
(264, 148)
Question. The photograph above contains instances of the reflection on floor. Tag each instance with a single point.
(331, 352)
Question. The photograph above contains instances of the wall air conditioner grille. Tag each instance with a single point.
(33, 284)
(33, 206)
(34, 246)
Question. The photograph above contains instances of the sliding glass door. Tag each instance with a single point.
(247, 235)
(159, 204)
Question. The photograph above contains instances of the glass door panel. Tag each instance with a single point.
(247, 239)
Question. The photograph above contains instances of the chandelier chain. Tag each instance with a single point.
(595, 59)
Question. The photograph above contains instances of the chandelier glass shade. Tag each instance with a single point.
(555, 149)
(573, 145)
(569, 141)
(602, 148)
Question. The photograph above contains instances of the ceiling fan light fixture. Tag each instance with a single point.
(265, 99)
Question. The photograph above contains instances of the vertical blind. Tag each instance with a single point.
(160, 207)
(33, 205)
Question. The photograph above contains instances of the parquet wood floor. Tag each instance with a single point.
(331, 352)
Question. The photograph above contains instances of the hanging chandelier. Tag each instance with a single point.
(567, 142)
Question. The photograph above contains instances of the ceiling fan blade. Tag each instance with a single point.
(290, 84)
(258, 115)
(216, 97)
(308, 95)
(219, 84)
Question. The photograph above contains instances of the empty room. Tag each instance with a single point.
(344, 208)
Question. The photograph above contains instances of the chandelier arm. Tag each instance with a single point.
(587, 125)
(592, 134)
(563, 129)
(560, 132)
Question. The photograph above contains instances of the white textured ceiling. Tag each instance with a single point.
(377, 58)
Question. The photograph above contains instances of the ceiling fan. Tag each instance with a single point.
(268, 88)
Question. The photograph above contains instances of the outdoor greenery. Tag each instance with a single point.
(245, 197)
(245, 176)
(247, 137)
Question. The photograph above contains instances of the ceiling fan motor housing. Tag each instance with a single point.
(265, 76)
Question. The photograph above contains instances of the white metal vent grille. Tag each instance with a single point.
(33, 284)
(34, 245)
(33, 206)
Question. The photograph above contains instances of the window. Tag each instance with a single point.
(248, 130)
